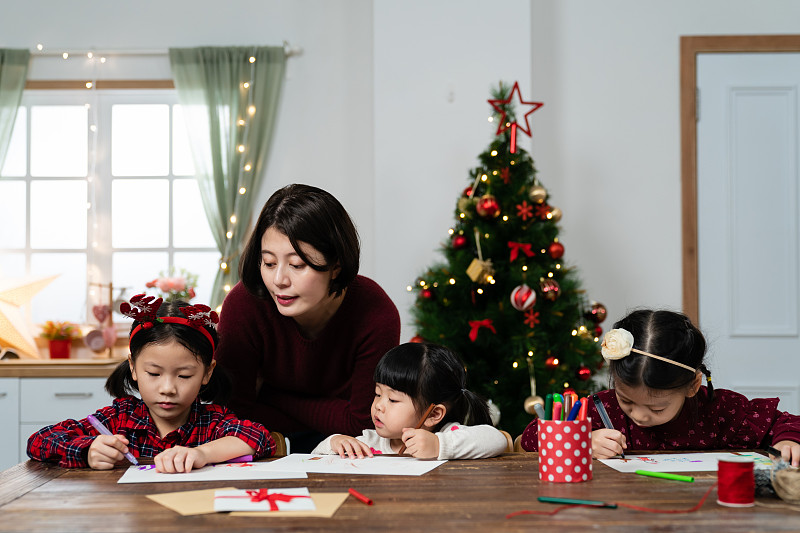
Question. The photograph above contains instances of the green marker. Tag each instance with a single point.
(573, 501)
(666, 475)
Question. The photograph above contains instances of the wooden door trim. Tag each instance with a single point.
(690, 46)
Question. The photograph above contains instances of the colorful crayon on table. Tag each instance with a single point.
(360, 497)
(574, 501)
(666, 475)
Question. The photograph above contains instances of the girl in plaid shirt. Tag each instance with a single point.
(171, 367)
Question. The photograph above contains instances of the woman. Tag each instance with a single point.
(302, 332)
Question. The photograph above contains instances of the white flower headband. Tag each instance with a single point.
(618, 343)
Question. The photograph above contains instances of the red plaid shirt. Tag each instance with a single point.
(68, 442)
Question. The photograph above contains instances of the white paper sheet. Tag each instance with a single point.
(677, 462)
(220, 472)
(240, 500)
(377, 465)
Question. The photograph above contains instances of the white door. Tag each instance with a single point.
(747, 216)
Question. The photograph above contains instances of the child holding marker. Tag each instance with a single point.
(421, 407)
(658, 402)
(171, 366)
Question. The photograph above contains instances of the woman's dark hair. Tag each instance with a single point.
(121, 383)
(667, 334)
(309, 215)
(431, 373)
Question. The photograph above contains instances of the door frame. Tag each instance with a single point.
(690, 46)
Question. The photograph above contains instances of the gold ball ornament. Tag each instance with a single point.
(530, 401)
(555, 214)
(537, 194)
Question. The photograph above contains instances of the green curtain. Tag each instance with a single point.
(13, 73)
(230, 103)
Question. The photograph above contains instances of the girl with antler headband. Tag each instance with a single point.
(171, 366)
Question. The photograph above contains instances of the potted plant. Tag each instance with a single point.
(59, 336)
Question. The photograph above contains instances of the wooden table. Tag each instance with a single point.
(458, 496)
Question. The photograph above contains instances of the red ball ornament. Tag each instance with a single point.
(598, 331)
(488, 207)
(551, 362)
(416, 338)
(597, 313)
(549, 288)
(426, 293)
(584, 373)
(459, 242)
(556, 250)
(523, 298)
(468, 191)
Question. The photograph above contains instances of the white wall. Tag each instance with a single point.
(367, 112)
(609, 146)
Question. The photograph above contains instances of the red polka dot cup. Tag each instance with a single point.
(565, 451)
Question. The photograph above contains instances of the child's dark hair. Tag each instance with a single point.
(667, 334)
(305, 214)
(121, 383)
(431, 373)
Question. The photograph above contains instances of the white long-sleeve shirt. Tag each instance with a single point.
(456, 441)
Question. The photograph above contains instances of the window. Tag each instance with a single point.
(98, 187)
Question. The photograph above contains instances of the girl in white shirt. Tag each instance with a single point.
(411, 380)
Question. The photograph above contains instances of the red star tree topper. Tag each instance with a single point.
(499, 106)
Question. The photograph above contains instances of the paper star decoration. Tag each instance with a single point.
(498, 104)
(14, 293)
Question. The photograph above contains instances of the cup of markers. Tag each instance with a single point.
(565, 446)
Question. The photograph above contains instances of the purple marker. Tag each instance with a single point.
(241, 459)
(104, 430)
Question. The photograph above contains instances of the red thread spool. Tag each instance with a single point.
(737, 486)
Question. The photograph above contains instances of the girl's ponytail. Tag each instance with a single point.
(707, 373)
(121, 383)
(477, 410)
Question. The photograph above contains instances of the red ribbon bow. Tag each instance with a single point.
(261, 495)
(477, 324)
(516, 247)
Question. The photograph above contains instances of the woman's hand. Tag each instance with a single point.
(790, 451)
(106, 451)
(607, 443)
(180, 459)
(351, 447)
(420, 443)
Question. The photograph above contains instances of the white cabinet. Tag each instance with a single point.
(38, 402)
(9, 415)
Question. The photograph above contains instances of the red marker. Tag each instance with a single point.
(584, 409)
(360, 497)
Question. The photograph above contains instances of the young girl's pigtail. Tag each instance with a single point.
(218, 389)
(120, 383)
(707, 373)
(477, 410)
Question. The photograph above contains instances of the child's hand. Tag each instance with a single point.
(607, 443)
(180, 459)
(790, 451)
(106, 451)
(351, 447)
(420, 443)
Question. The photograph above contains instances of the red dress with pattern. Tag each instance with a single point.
(728, 421)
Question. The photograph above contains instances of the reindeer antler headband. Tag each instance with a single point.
(143, 309)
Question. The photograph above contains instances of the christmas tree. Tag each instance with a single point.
(504, 299)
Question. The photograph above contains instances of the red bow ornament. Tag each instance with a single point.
(475, 325)
(517, 247)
